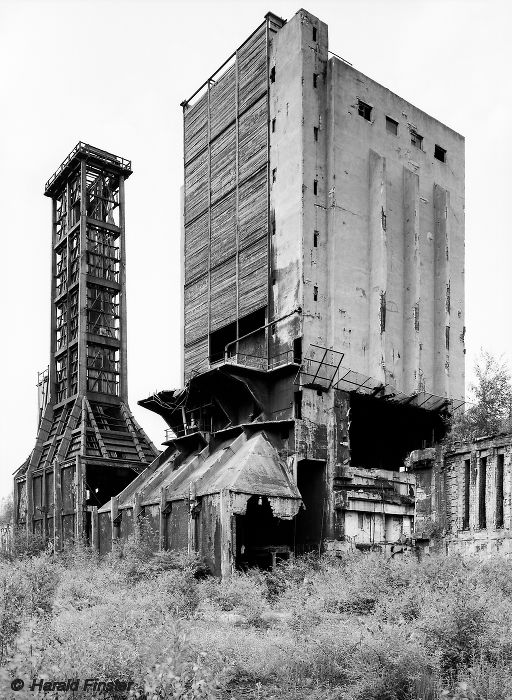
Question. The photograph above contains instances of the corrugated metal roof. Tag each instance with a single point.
(250, 465)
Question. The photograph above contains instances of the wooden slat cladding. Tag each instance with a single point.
(196, 248)
(252, 139)
(223, 295)
(252, 209)
(196, 356)
(222, 102)
(223, 169)
(196, 187)
(196, 128)
(196, 309)
(223, 229)
(252, 69)
(253, 277)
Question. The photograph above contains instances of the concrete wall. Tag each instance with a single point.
(396, 233)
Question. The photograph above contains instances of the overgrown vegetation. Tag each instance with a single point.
(490, 409)
(356, 628)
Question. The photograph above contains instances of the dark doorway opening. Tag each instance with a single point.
(261, 538)
(310, 520)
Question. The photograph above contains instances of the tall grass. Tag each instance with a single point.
(356, 628)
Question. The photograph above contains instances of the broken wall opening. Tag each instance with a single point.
(104, 482)
(383, 433)
(310, 520)
(260, 538)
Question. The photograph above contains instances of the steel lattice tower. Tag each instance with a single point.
(88, 445)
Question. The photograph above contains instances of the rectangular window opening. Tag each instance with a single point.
(467, 477)
(273, 125)
(315, 80)
(499, 490)
(416, 140)
(274, 174)
(440, 153)
(315, 133)
(364, 110)
(315, 239)
(314, 33)
(273, 74)
(297, 351)
(297, 404)
(315, 186)
(482, 481)
(391, 126)
(315, 293)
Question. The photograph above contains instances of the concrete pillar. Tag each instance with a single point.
(226, 552)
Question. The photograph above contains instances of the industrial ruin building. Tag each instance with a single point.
(323, 302)
(88, 446)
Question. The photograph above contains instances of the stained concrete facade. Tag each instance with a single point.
(369, 228)
(323, 297)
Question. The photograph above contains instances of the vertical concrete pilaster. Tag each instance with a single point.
(378, 267)
(412, 283)
(442, 300)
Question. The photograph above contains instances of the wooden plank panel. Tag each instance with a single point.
(222, 102)
(196, 128)
(223, 229)
(196, 309)
(223, 171)
(252, 69)
(223, 295)
(253, 277)
(196, 248)
(252, 139)
(252, 209)
(196, 187)
(196, 356)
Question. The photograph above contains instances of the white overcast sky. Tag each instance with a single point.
(113, 73)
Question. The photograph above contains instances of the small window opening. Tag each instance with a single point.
(315, 80)
(417, 140)
(315, 186)
(314, 33)
(273, 329)
(274, 174)
(273, 281)
(297, 404)
(467, 476)
(273, 125)
(315, 132)
(391, 126)
(315, 293)
(273, 74)
(297, 351)
(499, 490)
(440, 153)
(364, 110)
(447, 337)
(360, 521)
(315, 239)
(384, 219)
